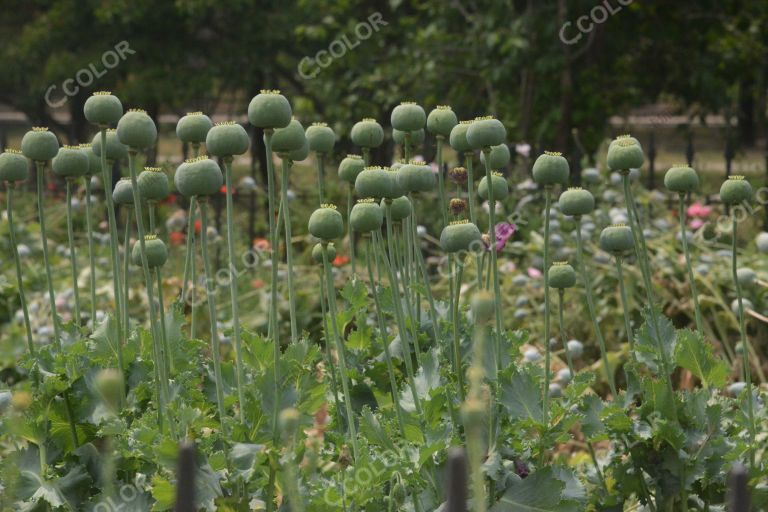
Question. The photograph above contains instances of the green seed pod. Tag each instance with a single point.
(485, 132)
(269, 109)
(289, 138)
(350, 167)
(198, 177)
(483, 306)
(13, 166)
(617, 239)
(499, 156)
(681, 179)
(153, 184)
(561, 275)
(155, 249)
(122, 194)
(317, 252)
(326, 223)
(625, 153)
(747, 277)
(576, 202)
(39, 145)
(458, 138)
(110, 387)
(551, 168)
(401, 208)
(321, 138)
(377, 182)
(70, 162)
(408, 117)
(137, 130)
(226, 140)
(116, 150)
(459, 236)
(735, 190)
(441, 121)
(366, 216)
(367, 133)
(623, 137)
(500, 187)
(417, 137)
(193, 128)
(103, 109)
(94, 164)
(416, 176)
(298, 155)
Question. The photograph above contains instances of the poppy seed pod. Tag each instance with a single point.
(94, 164)
(270, 110)
(153, 184)
(367, 133)
(350, 167)
(154, 248)
(376, 182)
(408, 117)
(500, 187)
(321, 138)
(116, 150)
(625, 153)
(137, 130)
(416, 176)
(441, 121)
(226, 140)
(561, 275)
(681, 179)
(499, 156)
(39, 145)
(198, 177)
(122, 194)
(326, 223)
(193, 128)
(13, 166)
(457, 206)
(458, 175)
(417, 137)
(302, 153)
(485, 132)
(735, 190)
(483, 306)
(617, 239)
(623, 137)
(317, 252)
(400, 208)
(747, 277)
(110, 387)
(289, 138)
(366, 216)
(459, 236)
(70, 162)
(576, 202)
(551, 168)
(458, 138)
(103, 109)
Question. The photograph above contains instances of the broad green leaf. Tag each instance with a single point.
(695, 355)
(540, 492)
(521, 397)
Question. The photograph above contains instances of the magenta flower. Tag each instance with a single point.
(504, 231)
(534, 273)
(699, 210)
(695, 224)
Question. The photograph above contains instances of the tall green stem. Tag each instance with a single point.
(340, 349)
(591, 306)
(422, 267)
(72, 251)
(289, 248)
(469, 157)
(457, 368)
(744, 341)
(441, 180)
(126, 270)
(625, 306)
(563, 338)
(328, 356)
(495, 266)
(321, 177)
(233, 295)
(547, 305)
(189, 267)
(163, 328)
(46, 262)
(211, 299)
(17, 261)
(691, 278)
(91, 252)
(350, 231)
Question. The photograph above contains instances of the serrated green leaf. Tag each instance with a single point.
(694, 354)
(540, 492)
(521, 397)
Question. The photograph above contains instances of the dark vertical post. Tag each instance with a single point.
(457, 480)
(689, 149)
(652, 161)
(765, 221)
(185, 479)
(738, 493)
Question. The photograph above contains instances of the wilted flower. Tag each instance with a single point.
(504, 231)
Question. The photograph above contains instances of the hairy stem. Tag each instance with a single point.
(72, 250)
(17, 261)
(289, 248)
(46, 261)
(691, 278)
(91, 252)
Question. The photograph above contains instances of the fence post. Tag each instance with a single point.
(689, 149)
(457, 480)
(185, 479)
(738, 492)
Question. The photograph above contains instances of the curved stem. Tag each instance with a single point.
(289, 248)
(744, 341)
(72, 251)
(233, 292)
(591, 307)
(46, 262)
(691, 278)
(340, 349)
(17, 261)
(211, 299)
(91, 252)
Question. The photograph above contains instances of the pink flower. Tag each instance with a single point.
(534, 273)
(699, 210)
(695, 224)
(504, 231)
